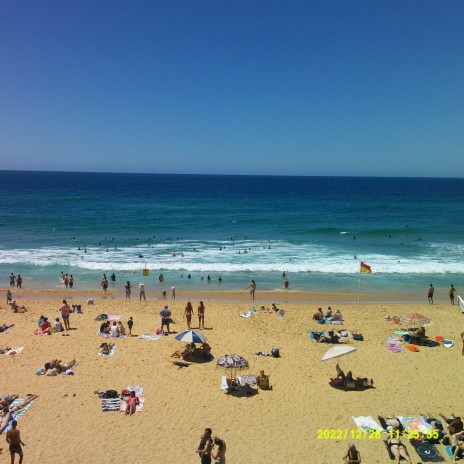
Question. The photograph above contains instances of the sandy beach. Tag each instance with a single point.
(66, 424)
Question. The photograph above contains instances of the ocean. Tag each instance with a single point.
(315, 229)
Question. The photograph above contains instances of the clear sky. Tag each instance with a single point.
(350, 87)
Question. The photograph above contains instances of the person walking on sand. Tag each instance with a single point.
(130, 324)
(127, 290)
(173, 293)
(219, 455)
(252, 288)
(430, 294)
(142, 291)
(188, 314)
(165, 314)
(13, 438)
(65, 311)
(201, 315)
(205, 446)
(451, 294)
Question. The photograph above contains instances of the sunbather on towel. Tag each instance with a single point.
(132, 403)
(398, 450)
(6, 404)
(4, 350)
(353, 456)
(105, 348)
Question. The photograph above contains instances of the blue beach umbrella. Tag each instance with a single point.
(190, 336)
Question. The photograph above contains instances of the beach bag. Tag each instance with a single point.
(358, 337)
(111, 394)
(125, 393)
(102, 317)
(275, 352)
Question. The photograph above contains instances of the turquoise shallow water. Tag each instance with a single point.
(410, 231)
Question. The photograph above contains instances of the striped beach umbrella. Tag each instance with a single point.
(190, 336)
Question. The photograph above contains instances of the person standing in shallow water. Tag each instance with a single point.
(430, 294)
(252, 288)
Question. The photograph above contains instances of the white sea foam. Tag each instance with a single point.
(295, 258)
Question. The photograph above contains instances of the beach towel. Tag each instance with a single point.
(391, 454)
(114, 317)
(394, 340)
(149, 337)
(395, 348)
(138, 408)
(401, 332)
(39, 332)
(137, 389)
(427, 451)
(311, 334)
(367, 424)
(15, 415)
(247, 314)
(224, 385)
(111, 353)
(415, 423)
(110, 404)
(14, 351)
(247, 380)
(449, 451)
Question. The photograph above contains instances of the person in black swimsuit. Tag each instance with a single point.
(398, 450)
(353, 456)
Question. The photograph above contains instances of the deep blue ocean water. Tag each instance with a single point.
(409, 230)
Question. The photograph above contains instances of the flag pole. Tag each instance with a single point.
(359, 286)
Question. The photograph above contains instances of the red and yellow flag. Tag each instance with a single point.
(365, 268)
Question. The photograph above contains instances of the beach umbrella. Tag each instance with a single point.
(337, 352)
(190, 336)
(415, 320)
(232, 362)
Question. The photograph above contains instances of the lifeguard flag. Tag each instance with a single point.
(365, 268)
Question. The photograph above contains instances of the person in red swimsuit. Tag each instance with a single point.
(132, 403)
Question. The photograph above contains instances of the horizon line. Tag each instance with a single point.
(223, 174)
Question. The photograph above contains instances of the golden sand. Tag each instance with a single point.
(66, 424)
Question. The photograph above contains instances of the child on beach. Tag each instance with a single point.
(132, 403)
(130, 323)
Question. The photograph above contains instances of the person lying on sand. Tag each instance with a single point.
(16, 407)
(105, 348)
(184, 354)
(5, 327)
(55, 367)
(398, 450)
(16, 308)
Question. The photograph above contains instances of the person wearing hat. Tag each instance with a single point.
(142, 291)
(353, 456)
(165, 314)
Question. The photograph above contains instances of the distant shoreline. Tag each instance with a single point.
(263, 297)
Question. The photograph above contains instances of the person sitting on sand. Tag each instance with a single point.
(58, 326)
(16, 308)
(353, 456)
(105, 349)
(398, 450)
(46, 326)
(105, 327)
(121, 329)
(328, 313)
(5, 327)
(458, 451)
(132, 403)
(274, 307)
(319, 315)
(114, 330)
(337, 316)
(184, 354)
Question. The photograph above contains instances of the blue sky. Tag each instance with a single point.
(236, 87)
